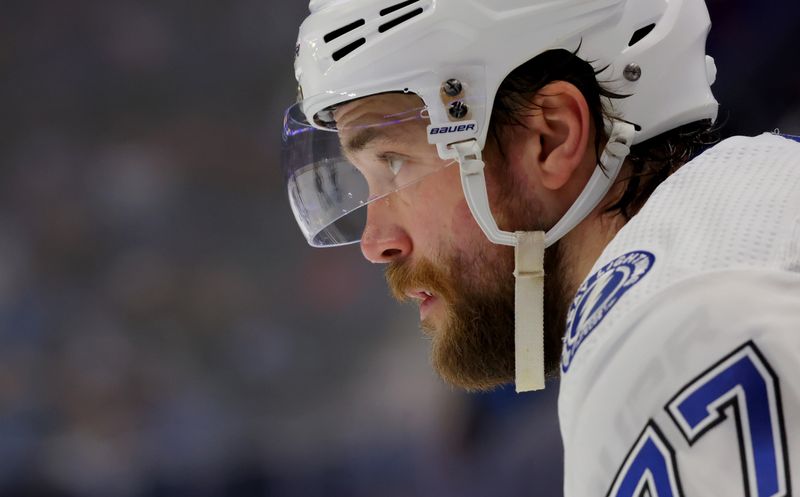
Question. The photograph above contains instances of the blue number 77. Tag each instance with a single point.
(742, 383)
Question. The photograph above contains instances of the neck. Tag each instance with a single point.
(582, 246)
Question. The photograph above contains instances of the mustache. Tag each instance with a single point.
(403, 276)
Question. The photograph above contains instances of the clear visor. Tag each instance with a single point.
(375, 146)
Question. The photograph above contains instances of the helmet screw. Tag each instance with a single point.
(452, 87)
(632, 72)
(458, 109)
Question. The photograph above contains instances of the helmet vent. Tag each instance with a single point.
(640, 33)
(399, 20)
(343, 30)
(348, 48)
(394, 8)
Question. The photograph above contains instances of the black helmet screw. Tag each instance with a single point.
(458, 109)
(452, 87)
(632, 72)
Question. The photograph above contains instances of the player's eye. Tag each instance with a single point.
(395, 164)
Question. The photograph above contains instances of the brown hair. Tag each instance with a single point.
(652, 160)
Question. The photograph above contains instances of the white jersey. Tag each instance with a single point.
(680, 373)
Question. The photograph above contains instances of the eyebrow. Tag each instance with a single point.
(363, 138)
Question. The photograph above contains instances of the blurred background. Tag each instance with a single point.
(164, 328)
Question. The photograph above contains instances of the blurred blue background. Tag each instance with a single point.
(164, 328)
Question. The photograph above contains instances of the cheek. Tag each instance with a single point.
(463, 224)
(439, 215)
(423, 212)
(454, 216)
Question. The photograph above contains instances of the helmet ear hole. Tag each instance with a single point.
(640, 33)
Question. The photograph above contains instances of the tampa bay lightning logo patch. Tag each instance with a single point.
(598, 294)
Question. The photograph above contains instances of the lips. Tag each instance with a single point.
(425, 298)
(419, 294)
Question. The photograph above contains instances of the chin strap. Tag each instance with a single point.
(529, 245)
(618, 147)
(529, 311)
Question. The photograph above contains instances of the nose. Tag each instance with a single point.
(384, 240)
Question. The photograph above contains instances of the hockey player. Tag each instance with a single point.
(439, 134)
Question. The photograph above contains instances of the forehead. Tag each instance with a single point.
(392, 117)
(387, 108)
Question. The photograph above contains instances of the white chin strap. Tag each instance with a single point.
(529, 245)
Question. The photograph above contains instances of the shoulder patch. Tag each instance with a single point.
(598, 294)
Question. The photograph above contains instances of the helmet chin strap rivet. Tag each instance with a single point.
(632, 72)
(452, 87)
(458, 109)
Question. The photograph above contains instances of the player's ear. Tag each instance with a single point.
(561, 127)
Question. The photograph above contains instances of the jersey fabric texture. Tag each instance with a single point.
(680, 373)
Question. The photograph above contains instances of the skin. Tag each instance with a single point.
(430, 242)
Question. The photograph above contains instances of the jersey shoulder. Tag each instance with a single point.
(706, 276)
(737, 206)
(720, 346)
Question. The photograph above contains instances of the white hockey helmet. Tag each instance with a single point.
(454, 55)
